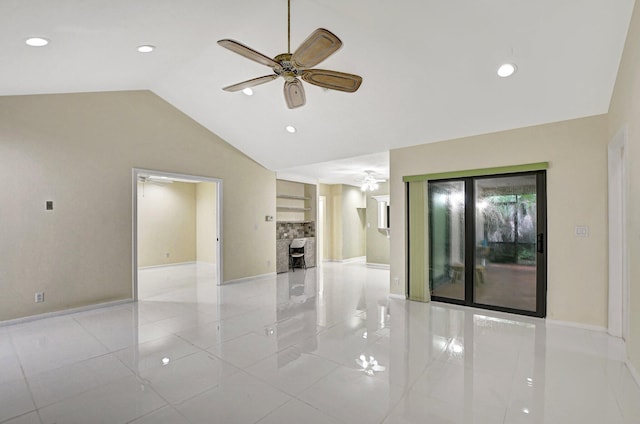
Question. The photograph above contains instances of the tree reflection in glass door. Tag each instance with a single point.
(505, 233)
(447, 239)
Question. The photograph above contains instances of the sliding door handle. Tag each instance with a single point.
(540, 243)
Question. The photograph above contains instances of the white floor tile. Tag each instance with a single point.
(114, 403)
(417, 408)
(30, 418)
(351, 396)
(237, 399)
(295, 412)
(15, 399)
(154, 353)
(53, 344)
(166, 415)
(11, 368)
(291, 370)
(246, 350)
(53, 386)
(187, 377)
(463, 386)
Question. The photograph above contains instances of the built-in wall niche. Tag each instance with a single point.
(295, 202)
(383, 213)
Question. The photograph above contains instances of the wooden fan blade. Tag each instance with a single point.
(332, 79)
(317, 47)
(294, 94)
(248, 52)
(250, 83)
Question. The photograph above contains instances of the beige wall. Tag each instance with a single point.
(206, 223)
(333, 227)
(166, 223)
(377, 241)
(353, 222)
(325, 191)
(576, 192)
(625, 112)
(79, 151)
(345, 222)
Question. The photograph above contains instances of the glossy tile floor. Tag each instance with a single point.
(322, 346)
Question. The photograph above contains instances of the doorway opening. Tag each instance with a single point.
(177, 244)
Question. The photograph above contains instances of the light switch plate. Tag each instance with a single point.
(582, 231)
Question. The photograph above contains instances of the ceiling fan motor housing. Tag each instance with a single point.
(287, 69)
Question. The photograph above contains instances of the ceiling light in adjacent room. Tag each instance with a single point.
(291, 129)
(370, 182)
(248, 91)
(147, 48)
(37, 42)
(506, 70)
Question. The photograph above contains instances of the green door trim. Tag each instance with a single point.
(539, 166)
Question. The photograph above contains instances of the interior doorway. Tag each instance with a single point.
(176, 233)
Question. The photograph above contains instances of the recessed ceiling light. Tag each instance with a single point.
(37, 42)
(248, 91)
(290, 128)
(506, 70)
(147, 48)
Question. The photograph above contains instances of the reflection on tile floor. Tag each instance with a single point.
(326, 345)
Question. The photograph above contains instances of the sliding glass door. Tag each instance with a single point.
(486, 241)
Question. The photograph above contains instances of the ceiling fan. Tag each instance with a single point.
(317, 47)
(370, 182)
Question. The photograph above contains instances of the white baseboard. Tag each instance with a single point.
(356, 259)
(378, 266)
(64, 312)
(255, 277)
(344, 261)
(633, 371)
(166, 265)
(397, 296)
(576, 325)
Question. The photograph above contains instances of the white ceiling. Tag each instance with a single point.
(429, 67)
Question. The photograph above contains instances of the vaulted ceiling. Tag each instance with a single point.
(429, 66)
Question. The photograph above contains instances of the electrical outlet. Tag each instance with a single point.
(39, 298)
(166, 255)
(396, 281)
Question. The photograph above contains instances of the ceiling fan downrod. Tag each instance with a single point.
(289, 26)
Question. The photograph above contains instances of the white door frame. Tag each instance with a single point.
(322, 213)
(618, 261)
(192, 178)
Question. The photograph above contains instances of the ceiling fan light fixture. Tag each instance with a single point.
(146, 48)
(36, 41)
(370, 182)
(290, 129)
(248, 91)
(506, 70)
